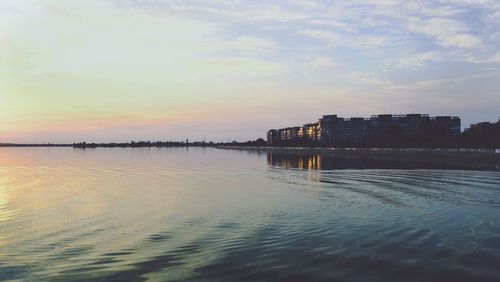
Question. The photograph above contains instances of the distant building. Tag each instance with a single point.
(312, 131)
(289, 133)
(482, 135)
(418, 123)
(272, 137)
(355, 131)
(483, 128)
(378, 130)
(329, 125)
(447, 125)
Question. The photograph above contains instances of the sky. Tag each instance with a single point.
(113, 71)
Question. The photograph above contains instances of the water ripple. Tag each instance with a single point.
(170, 216)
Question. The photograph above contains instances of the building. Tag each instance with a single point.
(378, 130)
(312, 132)
(482, 135)
(272, 137)
(289, 133)
(446, 125)
(417, 123)
(483, 127)
(355, 132)
(329, 125)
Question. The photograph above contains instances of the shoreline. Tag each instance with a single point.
(323, 150)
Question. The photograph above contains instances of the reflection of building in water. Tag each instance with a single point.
(300, 162)
(310, 163)
(314, 162)
(373, 160)
(378, 130)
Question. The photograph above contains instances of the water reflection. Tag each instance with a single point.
(4, 211)
(226, 215)
(311, 161)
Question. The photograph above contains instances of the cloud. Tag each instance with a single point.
(330, 37)
(447, 32)
(355, 41)
(254, 45)
(324, 62)
(368, 79)
(417, 60)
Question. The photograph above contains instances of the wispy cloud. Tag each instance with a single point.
(324, 62)
(446, 32)
(254, 45)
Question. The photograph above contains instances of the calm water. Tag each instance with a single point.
(207, 214)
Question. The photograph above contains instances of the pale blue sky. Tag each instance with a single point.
(121, 70)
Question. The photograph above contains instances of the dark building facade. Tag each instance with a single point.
(482, 135)
(446, 125)
(384, 130)
(272, 137)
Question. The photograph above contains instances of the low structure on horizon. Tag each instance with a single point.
(384, 130)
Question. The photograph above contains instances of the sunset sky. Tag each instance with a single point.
(223, 70)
